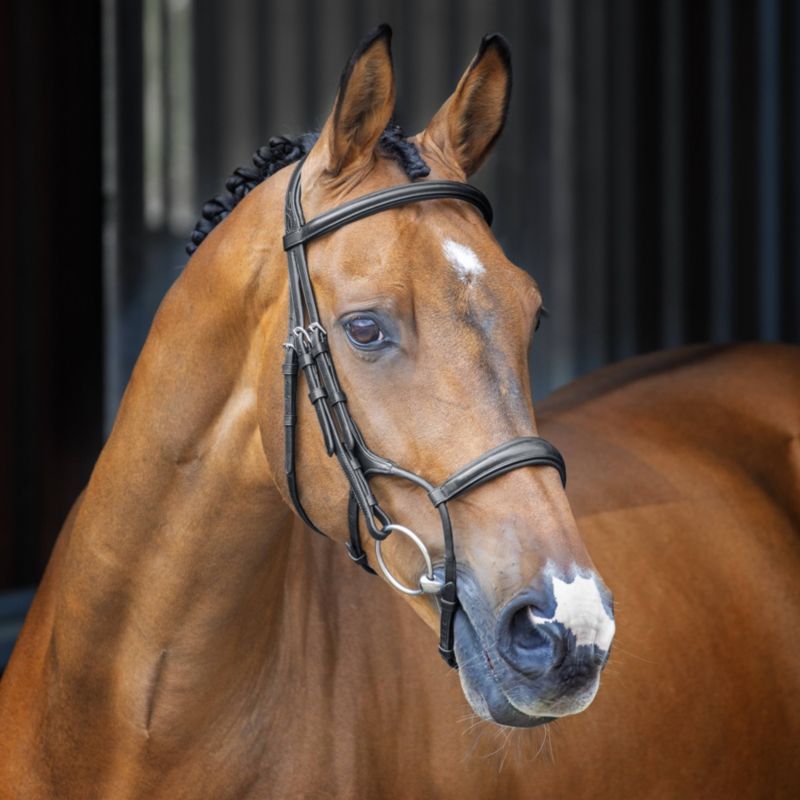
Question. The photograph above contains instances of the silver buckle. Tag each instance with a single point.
(302, 333)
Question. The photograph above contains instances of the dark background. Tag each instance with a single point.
(649, 178)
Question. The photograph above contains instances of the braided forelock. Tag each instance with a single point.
(278, 153)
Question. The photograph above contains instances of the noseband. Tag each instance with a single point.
(307, 347)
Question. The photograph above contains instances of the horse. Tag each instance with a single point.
(193, 638)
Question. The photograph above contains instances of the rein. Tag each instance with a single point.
(307, 348)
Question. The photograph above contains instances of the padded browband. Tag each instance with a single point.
(522, 452)
(383, 200)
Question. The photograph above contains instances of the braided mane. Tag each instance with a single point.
(281, 151)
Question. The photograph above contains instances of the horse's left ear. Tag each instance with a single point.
(468, 124)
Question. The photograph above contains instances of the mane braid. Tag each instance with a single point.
(278, 153)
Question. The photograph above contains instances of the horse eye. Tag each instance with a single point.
(364, 332)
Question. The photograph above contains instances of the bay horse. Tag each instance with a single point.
(192, 638)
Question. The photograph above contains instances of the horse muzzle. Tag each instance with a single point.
(542, 656)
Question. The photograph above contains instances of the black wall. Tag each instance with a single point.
(50, 280)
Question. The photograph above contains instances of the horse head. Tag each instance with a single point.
(429, 325)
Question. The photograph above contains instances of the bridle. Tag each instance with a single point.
(307, 347)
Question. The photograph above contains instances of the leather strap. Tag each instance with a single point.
(448, 604)
(375, 202)
(353, 547)
(523, 452)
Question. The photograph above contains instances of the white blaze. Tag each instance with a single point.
(580, 609)
(466, 264)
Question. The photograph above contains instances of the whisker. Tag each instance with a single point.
(541, 744)
(505, 751)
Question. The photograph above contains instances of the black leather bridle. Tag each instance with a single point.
(307, 347)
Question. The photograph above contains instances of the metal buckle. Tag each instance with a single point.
(316, 326)
(428, 582)
(302, 333)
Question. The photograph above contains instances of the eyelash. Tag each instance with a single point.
(543, 314)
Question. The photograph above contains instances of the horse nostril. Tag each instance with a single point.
(557, 626)
(534, 647)
(526, 634)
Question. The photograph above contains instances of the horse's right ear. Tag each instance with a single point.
(364, 105)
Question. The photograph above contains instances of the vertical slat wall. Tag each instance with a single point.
(649, 176)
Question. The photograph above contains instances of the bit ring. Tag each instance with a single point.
(428, 582)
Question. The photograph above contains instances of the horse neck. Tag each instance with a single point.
(172, 572)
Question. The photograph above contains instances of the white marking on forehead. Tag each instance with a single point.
(466, 264)
(580, 609)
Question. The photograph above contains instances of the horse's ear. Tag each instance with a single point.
(364, 105)
(467, 125)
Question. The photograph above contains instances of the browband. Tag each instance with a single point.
(383, 200)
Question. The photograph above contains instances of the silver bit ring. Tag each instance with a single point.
(428, 583)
